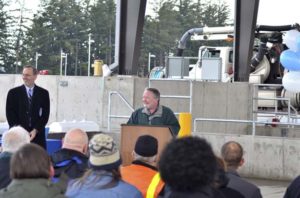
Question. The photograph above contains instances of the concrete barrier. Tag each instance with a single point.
(275, 158)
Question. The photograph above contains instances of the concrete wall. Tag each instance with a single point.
(131, 88)
(79, 97)
(71, 98)
(265, 157)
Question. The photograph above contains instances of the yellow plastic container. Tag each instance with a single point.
(185, 121)
(98, 68)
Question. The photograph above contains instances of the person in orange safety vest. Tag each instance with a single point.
(142, 173)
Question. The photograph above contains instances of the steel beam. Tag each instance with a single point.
(131, 28)
(245, 23)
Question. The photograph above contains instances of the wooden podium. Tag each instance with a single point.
(130, 133)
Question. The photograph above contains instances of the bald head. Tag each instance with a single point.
(76, 139)
(232, 153)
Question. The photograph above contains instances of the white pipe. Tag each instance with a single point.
(218, 30)
(115, 64)
(66, 63)
(89, 55)
(61, 54)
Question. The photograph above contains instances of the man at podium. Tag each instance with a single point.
(153, 113)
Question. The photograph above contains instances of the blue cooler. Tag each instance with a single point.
(52, 144)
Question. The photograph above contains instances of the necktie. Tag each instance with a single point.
(29, 102)
(29, 94)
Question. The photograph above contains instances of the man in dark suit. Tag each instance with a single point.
(232, 153)
(29, 106)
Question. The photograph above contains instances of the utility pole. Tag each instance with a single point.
(37, 55)
(149, 61)
(89, 54)
(63, 55)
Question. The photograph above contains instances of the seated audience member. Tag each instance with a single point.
(103, 179)
(293, 190)
(232, 153)
(188, 167)
(31, 170)
(12, 140)
(72, 158)
(221, 181)
(142, 172)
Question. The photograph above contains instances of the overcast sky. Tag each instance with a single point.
(271, 12)
(275, 12)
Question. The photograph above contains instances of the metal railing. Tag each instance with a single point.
(275, 113)
(255, 113)
(189, 97)
(109, 107)
(253, 122)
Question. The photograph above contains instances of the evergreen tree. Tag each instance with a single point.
(172, 19)
(160, 33)
(64, 26)
(4, 47)
(59, 27)
(18, 23)
(102, 19)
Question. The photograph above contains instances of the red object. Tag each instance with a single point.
(44, 72)
(275, 120)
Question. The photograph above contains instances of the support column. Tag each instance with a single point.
(131, 29)
(245, 24)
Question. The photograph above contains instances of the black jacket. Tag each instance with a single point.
(18, 111)
(71, 162)
(221, 182)
(205, 192)
(293, 190)
(246, 188)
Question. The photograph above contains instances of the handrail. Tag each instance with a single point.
(276, 113)
(109, 107)
(240, 121)
(190, 96)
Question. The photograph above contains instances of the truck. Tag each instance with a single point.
(216, 63)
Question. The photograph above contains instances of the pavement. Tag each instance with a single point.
(270, 188)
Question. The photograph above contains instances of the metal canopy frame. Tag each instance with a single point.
(131, 28)
(244, 28)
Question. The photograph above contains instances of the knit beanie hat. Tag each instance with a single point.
(146, 146)
(104, 154)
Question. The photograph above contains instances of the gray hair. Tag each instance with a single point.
(14, 138)
(155, 92)
(144, 159)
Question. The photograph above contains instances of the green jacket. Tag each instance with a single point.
(33, 188)
(163, 116)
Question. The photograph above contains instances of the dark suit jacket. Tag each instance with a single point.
(18, 111)
(239, 184)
